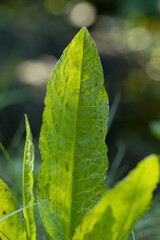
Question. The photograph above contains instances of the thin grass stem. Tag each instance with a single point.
(133, 235)
(21, 209)
(10, 161)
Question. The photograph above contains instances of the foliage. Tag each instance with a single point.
(72, 199)
(122, 206)
(73, 133)
(13, 227)
(27, 183)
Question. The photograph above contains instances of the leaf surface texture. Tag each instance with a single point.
(72, 140)
(119, 209)
(12, 227)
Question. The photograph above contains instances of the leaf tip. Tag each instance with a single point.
(26, 118)
(84, 31)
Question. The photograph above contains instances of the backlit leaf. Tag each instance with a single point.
(13, 227)
(119, 209)
(72, 140)
(27, 183)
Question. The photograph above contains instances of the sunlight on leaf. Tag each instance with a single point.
(127, 202)
(72, 140)
(27, 183)
(12, 227)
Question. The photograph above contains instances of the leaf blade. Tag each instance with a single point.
(27, 183)
(12, 227)
(74, 125)
(128, 201)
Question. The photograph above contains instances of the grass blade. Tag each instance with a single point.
(6, 154)
(133, 235)
(27, 183)
(113, 109)
(20, 210)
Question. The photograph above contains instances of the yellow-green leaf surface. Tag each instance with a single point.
(27, 183)
(119, 209)
(72, 140)
(12, 227)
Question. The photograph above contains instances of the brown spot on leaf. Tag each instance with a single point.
(4, 212)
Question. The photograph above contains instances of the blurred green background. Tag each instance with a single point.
(33, 35)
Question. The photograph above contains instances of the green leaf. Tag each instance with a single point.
(72, 140)
(27, 183)
(11, 228)
(119, 209)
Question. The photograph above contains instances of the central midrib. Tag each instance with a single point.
(70, 220)
(128, 215)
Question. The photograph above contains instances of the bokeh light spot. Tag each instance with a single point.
(36, 72)
(138, 39)
(105, 26)
(55, 7)
(153, 65)
(83, 14)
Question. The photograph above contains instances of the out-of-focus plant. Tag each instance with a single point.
(155, 128)
(9, 97)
